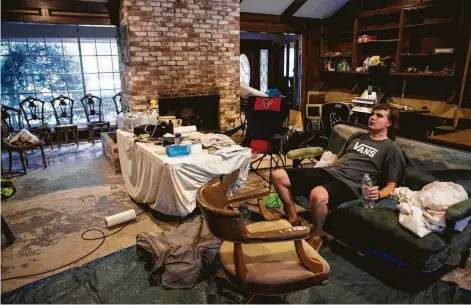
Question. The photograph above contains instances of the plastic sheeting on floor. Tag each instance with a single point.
(122, 278)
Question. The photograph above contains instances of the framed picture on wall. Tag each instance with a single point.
(123, 44)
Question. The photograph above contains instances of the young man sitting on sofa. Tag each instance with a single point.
(374, 153)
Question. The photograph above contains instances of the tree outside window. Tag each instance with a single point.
(47, 67)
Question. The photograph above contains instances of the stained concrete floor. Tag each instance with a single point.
(54, 206)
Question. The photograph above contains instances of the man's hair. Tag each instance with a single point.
(393, 118)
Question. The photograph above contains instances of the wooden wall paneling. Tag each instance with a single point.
(355, 44)
(55, 11)
(399, 40)
(296, 73)
(250, 22)
(464, 81)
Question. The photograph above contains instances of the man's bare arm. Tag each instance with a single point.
(375, 194)
(387, 190)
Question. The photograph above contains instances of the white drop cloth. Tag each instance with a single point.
(169, 185)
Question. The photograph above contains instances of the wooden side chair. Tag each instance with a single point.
(20, 148)
(118, 103)
(33, 111)
(267, 258)
(94, 113)
(64, 112)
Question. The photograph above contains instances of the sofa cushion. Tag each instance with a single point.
(383, 222)
(460, 176)
(416, 179)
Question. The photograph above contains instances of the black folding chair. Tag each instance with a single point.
(266, 130)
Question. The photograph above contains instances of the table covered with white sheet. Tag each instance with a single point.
(169, 185)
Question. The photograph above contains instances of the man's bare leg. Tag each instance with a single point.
(282, 184)
(318, 200)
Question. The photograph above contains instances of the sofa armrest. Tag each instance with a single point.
(459, 211)
(302, 153)
(455, 213)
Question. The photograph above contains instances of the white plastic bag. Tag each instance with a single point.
(25, 136)
(411, 218)
(326, 158)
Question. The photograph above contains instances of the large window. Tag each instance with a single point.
(47, 67)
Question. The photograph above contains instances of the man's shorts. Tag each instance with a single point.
(304, 180)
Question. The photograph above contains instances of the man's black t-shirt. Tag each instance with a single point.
(382, 160)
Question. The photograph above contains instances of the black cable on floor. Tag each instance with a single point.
(102, 237)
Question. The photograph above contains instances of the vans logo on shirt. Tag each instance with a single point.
(365, 149)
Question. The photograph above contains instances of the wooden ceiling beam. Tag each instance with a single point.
(56, 11)
(254, 17)
(292, 9)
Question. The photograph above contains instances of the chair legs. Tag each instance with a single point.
(43, 155)
(90, 135)
(7, 232)
(76, 136)
(22, 159)
(272, 160)
(59, 137)
(10, 161)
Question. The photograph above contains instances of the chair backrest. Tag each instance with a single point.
(33, 111)
(223, 223)
(332, 113)
(118, 103)
(63, 109)
(266, 117)
(10, 116)
(92, 107)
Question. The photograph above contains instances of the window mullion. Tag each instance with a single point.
(81, 67)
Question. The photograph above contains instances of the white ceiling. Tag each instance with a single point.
(271, 7)
(311, 9)
(320, 8)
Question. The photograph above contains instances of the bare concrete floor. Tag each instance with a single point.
(54, 206)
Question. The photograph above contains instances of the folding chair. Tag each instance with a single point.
(266, 129)
(312, 148)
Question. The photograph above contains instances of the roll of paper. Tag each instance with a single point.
(120, 218)
(184, 129)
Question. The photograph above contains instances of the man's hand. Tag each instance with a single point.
(373, 193)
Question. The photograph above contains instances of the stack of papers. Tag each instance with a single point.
(230, 151)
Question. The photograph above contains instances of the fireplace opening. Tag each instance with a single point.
(202, 111)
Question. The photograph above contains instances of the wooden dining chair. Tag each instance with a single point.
(33, 111)
(118, 103)
(64, 112)
(20, 148)
(92, 106)
(267, 258)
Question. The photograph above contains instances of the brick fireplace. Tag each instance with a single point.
(182, 48)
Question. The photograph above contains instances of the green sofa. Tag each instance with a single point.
(379, 231)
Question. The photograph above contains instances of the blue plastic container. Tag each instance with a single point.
(178, 150)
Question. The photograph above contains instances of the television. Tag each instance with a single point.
(313, 111)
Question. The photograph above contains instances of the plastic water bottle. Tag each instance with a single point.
(365, 185)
